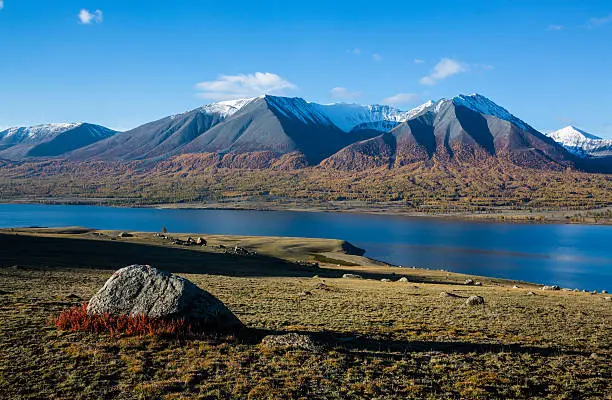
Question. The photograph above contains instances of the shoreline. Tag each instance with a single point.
(501, 216)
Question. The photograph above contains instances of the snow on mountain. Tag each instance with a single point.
(483, 105)
(350, 116)
(581, 143)
(21, 134)
(227, 108)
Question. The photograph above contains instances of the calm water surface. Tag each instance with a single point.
(567, 255)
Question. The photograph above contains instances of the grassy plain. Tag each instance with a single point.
(382, 340)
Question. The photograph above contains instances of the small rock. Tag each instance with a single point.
(292, 340)
(125, 235)
(351, 276)
(385, 280)
(608, 298)
(403, 279)
(515, 287)
(594, 292)
(446, 294)
(201, 241)
(322, 286)
(576, 290)
(315, 277)
(468, 282)
(477, 284)
(552, 287)
(475, 301)
(531, 294)
(604, 292)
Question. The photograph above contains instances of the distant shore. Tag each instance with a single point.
(498, 215)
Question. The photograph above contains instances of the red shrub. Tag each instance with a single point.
(76, 319)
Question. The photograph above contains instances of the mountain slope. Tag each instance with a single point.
(49, 140)
(161, 137)
(278, 125)
(581, 143)
(461, 129)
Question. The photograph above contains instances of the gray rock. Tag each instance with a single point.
(403, 279)
(604, 292)
(447, 294)
(468, 282)
(125, 235)
(292, 340)
(553, 287)
(144, 290)
(531, 294)
(385, 280)
(478, 284)
(351, 276)
(515, 287)
(475, 301)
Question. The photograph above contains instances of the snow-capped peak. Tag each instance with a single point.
(20, 133)
(296, 107)
(227, 108)
(581, 143)
(483, 105)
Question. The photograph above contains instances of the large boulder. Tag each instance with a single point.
(144, 290)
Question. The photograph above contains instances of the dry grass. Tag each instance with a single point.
(380, 340)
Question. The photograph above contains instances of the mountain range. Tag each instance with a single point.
(291, 132)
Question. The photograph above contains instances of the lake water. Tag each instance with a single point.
(567, 255)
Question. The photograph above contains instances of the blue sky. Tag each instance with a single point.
(123, 63)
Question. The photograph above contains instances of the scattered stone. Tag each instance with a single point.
(553, 287)
(385, 280)
(201, 241)
(125, 235)
(315, 277)
(144, 290)
(478, 284)
(290, 340)
(608, 298)
(351, 276)
(403, 279)
(468, 282)
(604, 292)
(584, 291)
(322, 286)
(576, 290)
(475, 301)
(594, 292)
(531, 294)
(515, 287)
(446, 294)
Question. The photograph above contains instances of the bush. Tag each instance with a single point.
(77, 319)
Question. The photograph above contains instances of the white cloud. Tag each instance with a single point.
(445, 68)
(377, 57)
(597, 22)
(401, 99)
(1, 4)
(86, 17)
(229, 87)
(555, 27)
(418, 61)
(343, 93)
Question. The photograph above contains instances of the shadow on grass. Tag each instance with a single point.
(389, 348)
(66, 252)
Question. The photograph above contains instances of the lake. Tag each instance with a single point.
(568, 255)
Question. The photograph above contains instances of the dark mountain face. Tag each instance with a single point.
(51, 140)
(155, 139)
(456, 131)
(274, 124)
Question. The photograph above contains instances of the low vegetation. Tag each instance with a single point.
(397, 339)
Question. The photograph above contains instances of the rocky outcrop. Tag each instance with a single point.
(144, 290)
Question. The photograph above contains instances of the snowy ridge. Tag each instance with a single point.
(485, 106)
(581, 143)
(349, 116)
(227, 108)
(34, 133)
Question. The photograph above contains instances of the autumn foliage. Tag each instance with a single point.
(77, 319)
